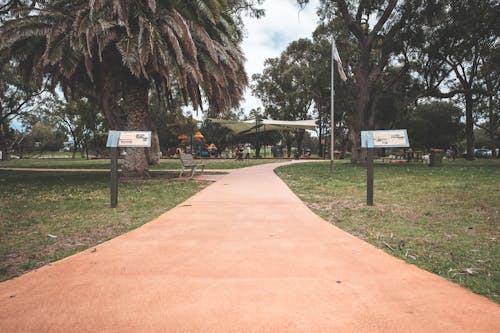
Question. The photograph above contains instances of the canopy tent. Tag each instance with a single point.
(290, 124)
(245, 126)
(234, 125)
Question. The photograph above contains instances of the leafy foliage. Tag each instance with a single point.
(115, 48)
(285, 86)
(434, 125)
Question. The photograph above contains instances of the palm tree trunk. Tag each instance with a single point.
(106, 81)
(153, 153)
(136, 163)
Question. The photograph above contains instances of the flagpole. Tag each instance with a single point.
(332, 99)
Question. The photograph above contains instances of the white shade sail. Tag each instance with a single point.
(265, 125)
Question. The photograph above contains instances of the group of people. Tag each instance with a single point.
(238, 152)
(207, 151)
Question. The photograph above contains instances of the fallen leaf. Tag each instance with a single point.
(390, 247)
(470, 271)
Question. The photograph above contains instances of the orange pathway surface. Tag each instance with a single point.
(243, 255)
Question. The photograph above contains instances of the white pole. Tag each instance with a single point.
(332, 98)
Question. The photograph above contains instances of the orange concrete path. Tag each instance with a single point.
(243, 255)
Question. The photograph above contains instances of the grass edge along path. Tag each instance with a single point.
(445, 220)
(47, 216)
(165, 164)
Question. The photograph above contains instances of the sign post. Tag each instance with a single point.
(119, 139)
(114, 177)
(379, 139)
(369, 177)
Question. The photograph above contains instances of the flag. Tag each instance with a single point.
(336, 57)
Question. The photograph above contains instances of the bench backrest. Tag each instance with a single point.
(187, 159)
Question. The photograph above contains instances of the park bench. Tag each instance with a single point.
(187, 162)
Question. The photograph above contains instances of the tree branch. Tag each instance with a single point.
(385, 16)
(359, 13)
(353, 26)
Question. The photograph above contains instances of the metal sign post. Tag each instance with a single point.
(135, 139)
(114, 177)
(369, 177)
(379, 139)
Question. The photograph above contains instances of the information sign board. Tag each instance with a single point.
(132, 139)
(135, 139)
(384, 139)
(379, 139)
(113, 137)
(123, 139)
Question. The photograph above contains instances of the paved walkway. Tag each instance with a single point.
(243, 255)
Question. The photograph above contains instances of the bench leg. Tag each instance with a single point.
(193, 169)
(182, 171)
(202, 169)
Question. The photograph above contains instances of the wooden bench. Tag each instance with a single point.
(187, 162)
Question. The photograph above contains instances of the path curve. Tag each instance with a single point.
(243, 255)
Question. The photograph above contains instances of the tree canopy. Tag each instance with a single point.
(123, 48)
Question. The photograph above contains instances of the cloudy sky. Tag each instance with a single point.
(267, 37)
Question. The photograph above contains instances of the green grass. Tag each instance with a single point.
(74, 207)
(57, 163)
(445, 220)
(165, 164)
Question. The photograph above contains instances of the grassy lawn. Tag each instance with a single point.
(165, 164)
(46, 216)
(445, 220)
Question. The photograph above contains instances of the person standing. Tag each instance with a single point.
(247, 156)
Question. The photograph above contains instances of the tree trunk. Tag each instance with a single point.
(5, 147)
(320, 140)
(359, 120)
(363, 116)
(288, 142)
(300, 138)
(3, 136)
(5, 151)
(493, 125)
(469, 125)
(75, 148)
(153, 153)
(106, 82)
(136, 163)
(320, 132)
(258, 138)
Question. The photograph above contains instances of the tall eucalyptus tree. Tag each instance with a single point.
(383, 33)
(285, 86)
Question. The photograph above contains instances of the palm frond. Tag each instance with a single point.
(181, 28)
(175, 46)
(204, 38)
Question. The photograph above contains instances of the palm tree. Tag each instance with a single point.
(126, 46)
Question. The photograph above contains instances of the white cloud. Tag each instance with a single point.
(267, 37)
